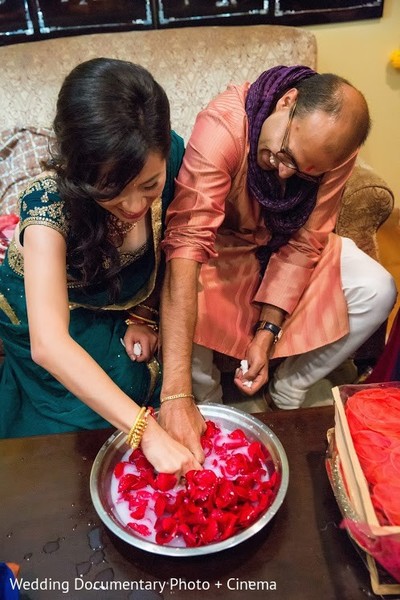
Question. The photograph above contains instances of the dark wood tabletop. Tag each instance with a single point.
(50, 528)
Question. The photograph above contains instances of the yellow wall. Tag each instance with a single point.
(359, 51)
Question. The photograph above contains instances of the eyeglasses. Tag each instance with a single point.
(284, 156)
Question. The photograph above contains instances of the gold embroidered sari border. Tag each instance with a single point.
(8, 310)
(15, 259)
(42, 221)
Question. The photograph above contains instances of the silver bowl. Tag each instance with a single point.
(230, 418)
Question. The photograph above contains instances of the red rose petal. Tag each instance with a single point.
(210, 533)
(119, 469)
(139, 459)
(167, 530)
(257, 453)
(236, 439)
(238, 434)
(225, 494)
(227, 526)
(140, 529)
(191, 539)
(139, 511)
(248, 515)
(204, 479)
(211, 430)
(131, 482)
(165, 482)
(264, 500)
(160, 505)
(238, 463)
(207, 446)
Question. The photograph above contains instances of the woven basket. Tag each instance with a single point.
(351, 491)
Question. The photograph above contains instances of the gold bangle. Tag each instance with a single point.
(136, 432)
(152, 310)
(152, 324)
(136, 421)
(175, 396)
(133, 316)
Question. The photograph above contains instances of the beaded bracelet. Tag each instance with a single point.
(137, 430)
(175, 396)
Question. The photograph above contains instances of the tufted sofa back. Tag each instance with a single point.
(192, 64)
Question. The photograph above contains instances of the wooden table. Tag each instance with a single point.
(49, 526)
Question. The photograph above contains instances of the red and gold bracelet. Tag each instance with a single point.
(136, 320)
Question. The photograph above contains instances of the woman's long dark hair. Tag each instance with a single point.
(110, 115)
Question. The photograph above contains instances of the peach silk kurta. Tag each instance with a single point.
(214, 221)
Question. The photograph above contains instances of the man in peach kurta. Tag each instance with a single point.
(217, 295)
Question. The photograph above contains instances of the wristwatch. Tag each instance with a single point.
(267, 326)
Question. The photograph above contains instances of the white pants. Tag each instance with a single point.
(370, 293)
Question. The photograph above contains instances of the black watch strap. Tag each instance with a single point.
(267, 326)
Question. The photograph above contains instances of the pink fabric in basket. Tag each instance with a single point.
(384, 549)
(373, 415)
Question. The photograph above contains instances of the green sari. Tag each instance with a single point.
(33, 402)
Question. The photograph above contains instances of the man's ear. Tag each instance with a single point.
(286, 101)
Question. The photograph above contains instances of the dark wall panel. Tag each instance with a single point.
(25, 20)
(79, 16)
(15, 21)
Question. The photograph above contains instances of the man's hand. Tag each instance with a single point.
(143, 335)
(258, 361)
(183, 421)
(258, 353)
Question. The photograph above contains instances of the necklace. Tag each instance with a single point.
(118, 228)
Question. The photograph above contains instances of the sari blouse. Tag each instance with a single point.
(41, 204)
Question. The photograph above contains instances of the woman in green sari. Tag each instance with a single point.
(79, 284)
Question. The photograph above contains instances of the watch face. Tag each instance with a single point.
(274, 329)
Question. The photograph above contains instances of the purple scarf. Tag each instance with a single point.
(283, 214)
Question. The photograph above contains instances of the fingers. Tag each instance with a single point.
(198, 454)
(243, 379)
(248, 383)
(135, 351)
(144, 351)
(182, 419)
(140, 350)
(192, 465)
(257, 384)
(244, 387)
(255, 369)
